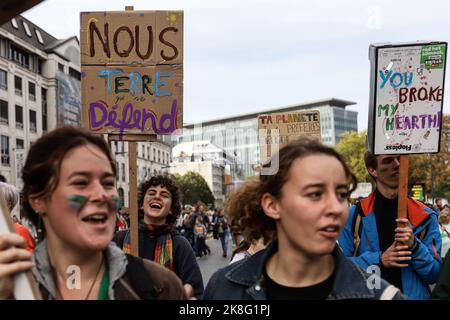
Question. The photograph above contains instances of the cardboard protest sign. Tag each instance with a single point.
(131, 37)
(278, 129)
(406, 98)
(143, 101)
(25, 287)
(132, 72)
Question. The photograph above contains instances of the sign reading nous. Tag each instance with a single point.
(406, 100)
(132, 71)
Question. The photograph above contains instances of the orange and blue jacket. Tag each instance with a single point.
(425, 264)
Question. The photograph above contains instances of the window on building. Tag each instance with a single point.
(4, 140)
(143, 151)
(3, 79)
(74, 73)
(14, 23)
(27, 29)
(121, 197)
(44, 109)
(20, 144)
(159, 156)
(154, 154)
(19, 117)
(19, 56)
(148, 153)
(39, 66)
(123, 172)
(32, 91)
(4, 112)
(33, 125)
(61, 67)
(18, 85)
(39, 36)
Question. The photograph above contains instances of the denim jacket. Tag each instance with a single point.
(244, 280)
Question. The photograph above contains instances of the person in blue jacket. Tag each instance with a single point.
(408, 256)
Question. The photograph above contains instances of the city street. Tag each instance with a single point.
(214, 261)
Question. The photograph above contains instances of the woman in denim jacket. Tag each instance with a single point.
(305, 203)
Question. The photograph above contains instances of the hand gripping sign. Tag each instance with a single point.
(25, 287)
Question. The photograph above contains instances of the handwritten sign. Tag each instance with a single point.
(132, 71)
(25, 287)
(278, 129)
(407, 92)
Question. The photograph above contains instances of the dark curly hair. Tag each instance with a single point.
(244, 205)
(171, 186)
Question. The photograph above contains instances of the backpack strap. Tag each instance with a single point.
(139, 278)
(356, 227)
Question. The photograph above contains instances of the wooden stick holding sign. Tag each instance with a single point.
(406, 85)
(403, 189)
(132, 81)
(25, 287)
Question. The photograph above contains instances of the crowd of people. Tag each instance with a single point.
(294, 233)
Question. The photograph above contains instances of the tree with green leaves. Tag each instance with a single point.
(194, 188)
(433, 170)
(352, 146)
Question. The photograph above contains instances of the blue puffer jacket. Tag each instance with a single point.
(425, 264)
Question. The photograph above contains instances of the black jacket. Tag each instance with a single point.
(185, 263)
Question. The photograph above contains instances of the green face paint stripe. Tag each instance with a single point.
(76, 201)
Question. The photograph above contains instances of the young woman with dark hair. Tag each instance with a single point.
(69, 193)
(305, 205)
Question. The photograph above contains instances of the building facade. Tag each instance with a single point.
(208, 160)
(39, 89)
(238, 135)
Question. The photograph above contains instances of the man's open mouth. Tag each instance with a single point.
(155, 205)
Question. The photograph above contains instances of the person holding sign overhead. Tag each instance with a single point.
(69, 192)
(305, 203)
(408, 257)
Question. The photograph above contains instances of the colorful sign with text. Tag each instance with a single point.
(278, 129)
(132, 71)
(407, 92)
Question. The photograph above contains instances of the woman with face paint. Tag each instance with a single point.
(69, 193)
(304, 205)
(159, 241)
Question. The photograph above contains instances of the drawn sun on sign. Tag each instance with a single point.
(171, 17)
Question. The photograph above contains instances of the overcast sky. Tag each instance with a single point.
(247, 55)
